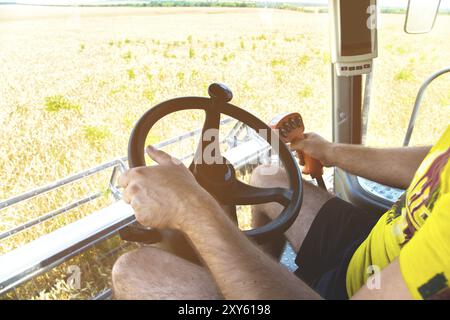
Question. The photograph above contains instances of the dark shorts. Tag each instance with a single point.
(337, 231)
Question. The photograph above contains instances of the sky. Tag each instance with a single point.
(382, 3)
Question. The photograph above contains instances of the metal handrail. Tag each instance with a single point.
(416, 107)
(104, 295)
(52, 249)
(58, 251)
(116, 164)
(83, 174)
(49, 215)
(30, 260)
(59, 183)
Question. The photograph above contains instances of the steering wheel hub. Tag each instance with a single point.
(218, 173)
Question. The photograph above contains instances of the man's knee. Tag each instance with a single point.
(122, 264)
(152, 273)
(265, 176)
(126, 271)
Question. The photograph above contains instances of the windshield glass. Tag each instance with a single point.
(404, 62)
(75, 79)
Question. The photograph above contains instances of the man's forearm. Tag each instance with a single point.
(394, 166)
(240, 269)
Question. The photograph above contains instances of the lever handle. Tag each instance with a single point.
(312, 166)
(291, 127)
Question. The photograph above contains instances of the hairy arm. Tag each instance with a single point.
(390, 166)
(240, 269)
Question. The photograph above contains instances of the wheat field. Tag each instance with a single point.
(74, 80)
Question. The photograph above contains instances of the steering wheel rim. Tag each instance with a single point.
(136, 156)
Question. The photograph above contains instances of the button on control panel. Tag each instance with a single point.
(380, 190)
(353, 68)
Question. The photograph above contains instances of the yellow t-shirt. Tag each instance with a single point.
(416, 229)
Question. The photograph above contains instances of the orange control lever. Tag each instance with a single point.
(291, 128)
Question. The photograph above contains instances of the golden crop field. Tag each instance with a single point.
(74, 80)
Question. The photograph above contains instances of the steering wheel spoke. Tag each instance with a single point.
(208, 149)
(244, 194)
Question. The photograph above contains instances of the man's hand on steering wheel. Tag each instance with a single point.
(166, 195)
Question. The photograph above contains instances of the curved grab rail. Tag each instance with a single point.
(423, 87)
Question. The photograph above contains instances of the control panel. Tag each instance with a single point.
(353, 30)
(380, 190)
(346, 69)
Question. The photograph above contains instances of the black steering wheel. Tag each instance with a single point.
(218, 176)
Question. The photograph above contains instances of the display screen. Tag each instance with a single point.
(355, 32)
